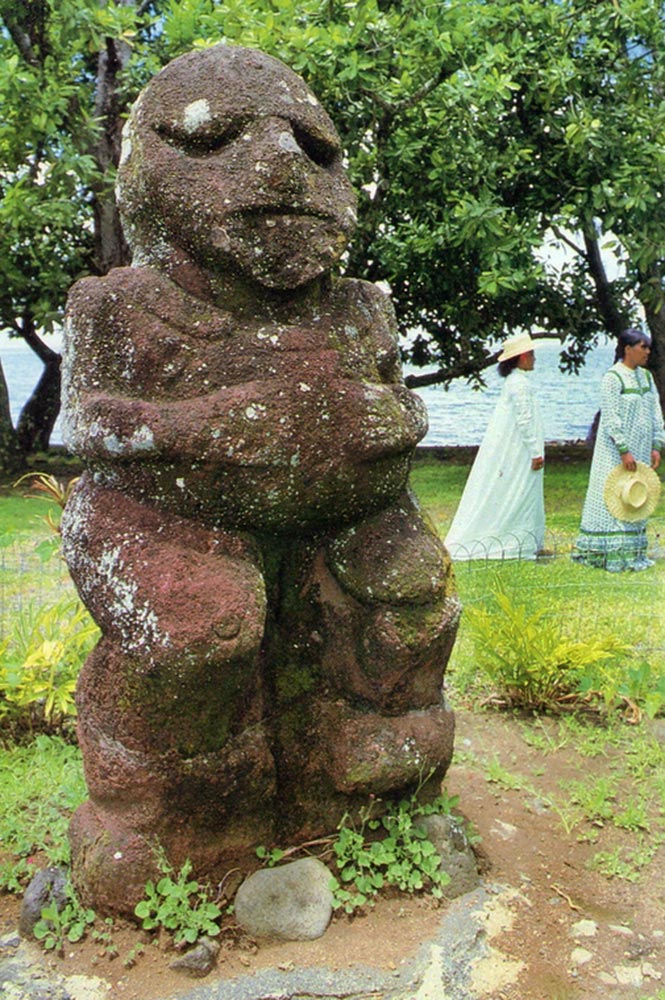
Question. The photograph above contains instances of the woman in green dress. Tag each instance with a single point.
(630, 431)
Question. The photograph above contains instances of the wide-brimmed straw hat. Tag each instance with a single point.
(515, 346)
(632, 496)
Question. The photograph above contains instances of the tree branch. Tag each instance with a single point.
(560, 235)
(394, 108)
(465, 367)
(35, 342)
(613, 320)
(25, 24)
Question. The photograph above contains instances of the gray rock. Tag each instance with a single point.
(457, 858)
(23, 978)
(48, 886)
(200, 960)
(290, 903)
(10, 940)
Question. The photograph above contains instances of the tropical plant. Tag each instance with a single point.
(40, 661)
(530, 659)
(47, 486)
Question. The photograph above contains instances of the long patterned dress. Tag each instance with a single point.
(630, 420)
(501, 514)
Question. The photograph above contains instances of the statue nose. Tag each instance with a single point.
(276, 136)
(279, 161)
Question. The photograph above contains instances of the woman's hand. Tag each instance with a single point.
(537, 463)
(655, 458)
(628, 461)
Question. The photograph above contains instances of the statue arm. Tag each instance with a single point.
(103, 425)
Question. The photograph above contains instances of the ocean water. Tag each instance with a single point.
(568, 403)
(457, 416)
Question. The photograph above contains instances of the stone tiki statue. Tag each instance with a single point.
(276, 612)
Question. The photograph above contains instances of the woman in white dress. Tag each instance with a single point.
(501, 514)
(630, 431)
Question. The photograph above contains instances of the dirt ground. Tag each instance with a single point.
(566, 931)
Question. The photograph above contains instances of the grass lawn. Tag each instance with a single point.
(579, 599)
(30, 573)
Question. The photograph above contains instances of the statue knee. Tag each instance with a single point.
(390, 603)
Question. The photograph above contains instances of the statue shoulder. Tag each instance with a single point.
(123, 286)
(367, 299)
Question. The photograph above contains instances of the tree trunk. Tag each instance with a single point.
(10, 457)
(613, 320)
(654, 311)
(35, 424)
(111, 248)
(40, 412)
(656, 324)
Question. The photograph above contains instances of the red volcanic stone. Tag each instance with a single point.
(276, 612)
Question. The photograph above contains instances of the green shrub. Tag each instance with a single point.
(637, 688)
(529, 658)
(40, 661)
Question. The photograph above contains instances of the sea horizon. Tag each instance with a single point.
(458, 415)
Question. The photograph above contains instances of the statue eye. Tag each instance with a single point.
(204, 142)
(320, 149)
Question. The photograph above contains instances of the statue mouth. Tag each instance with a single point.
(264, 220)
(278, 213)
(284, 221)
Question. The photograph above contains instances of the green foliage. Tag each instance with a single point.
(636, 685)
(59, 925)
(103, 936)
(45, 485)
(45, 644)
(561, 121)
(475, 132)
(40, 661)
(391, 850)
(270, 856)
(40, 787)
(530, 659)
(46, 632)
(597, 799)
(623, 863)
(179, 905)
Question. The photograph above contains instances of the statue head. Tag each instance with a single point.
(230, 159)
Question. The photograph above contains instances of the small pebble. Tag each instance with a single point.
(628, 975)
(650, 971)
(584, 928)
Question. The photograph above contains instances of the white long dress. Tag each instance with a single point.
(501, 514)
(631, 420)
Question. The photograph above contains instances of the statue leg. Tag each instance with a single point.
(170, 701)
(377, 625)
